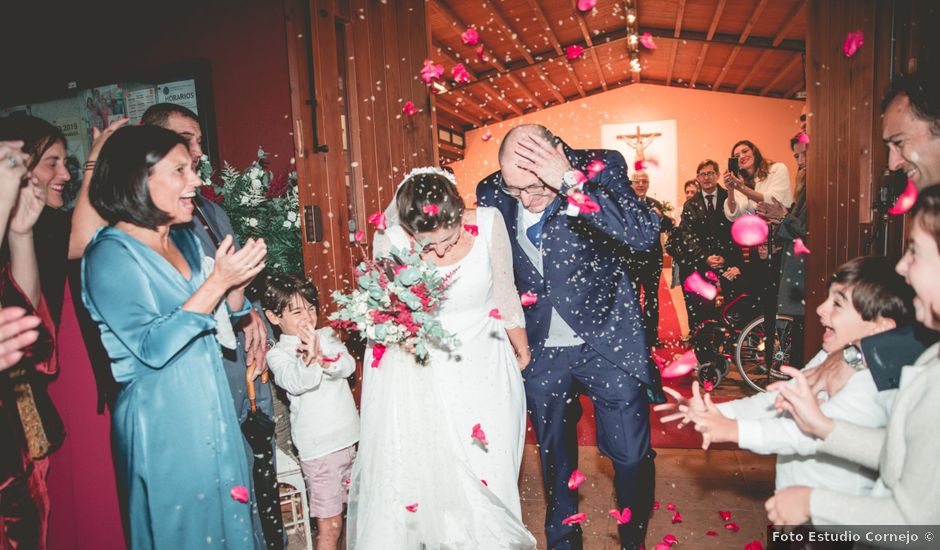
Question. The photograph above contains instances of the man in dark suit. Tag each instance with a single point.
(646, 267)
(571, 217)
(707, 242)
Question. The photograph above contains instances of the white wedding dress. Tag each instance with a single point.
(415, 444)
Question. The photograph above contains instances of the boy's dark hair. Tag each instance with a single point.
(281, 287)
(877, 289)
(421, 191)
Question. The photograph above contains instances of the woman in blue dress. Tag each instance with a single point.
(178, 444)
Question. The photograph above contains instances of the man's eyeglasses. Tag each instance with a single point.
(709, 174)
(534, 190)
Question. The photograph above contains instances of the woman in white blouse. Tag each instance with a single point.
(760, 180)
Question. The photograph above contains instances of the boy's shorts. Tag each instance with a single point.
(327, 480)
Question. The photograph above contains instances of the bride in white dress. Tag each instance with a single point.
(421, 480)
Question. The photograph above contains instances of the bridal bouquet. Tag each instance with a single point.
(394, 304)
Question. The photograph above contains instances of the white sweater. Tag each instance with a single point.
(323, 414)
(906, 454)
(775, 185)
(762, 431)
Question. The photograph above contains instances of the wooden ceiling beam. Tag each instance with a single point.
(454, 112)
(540, 70)
(497, 13)
(465, 97)
(750, 73)
(679, 15)
(715, 19)
(698, 65)
(792, 91)
(536, 8)
(586, 34)
(797, 60)
(675, 49)
(452, 57)
(748, 27)
(461, 26)
(525, 89)
(489, 89)
(790, 20)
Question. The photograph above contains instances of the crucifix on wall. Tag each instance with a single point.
(639, 141)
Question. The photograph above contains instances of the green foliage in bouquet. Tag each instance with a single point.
(260, 205)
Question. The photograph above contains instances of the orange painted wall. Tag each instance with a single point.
(708, 124)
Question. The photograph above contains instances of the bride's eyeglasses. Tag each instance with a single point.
(534, 190)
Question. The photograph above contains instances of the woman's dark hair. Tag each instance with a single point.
(877, 289)
(926, 212)
(762, 165)
(281, 287)
(427, 202)
(692, 183)
(36, 134)
(119, 188)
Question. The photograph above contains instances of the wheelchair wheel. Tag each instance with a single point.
(749, 352)
(710, 374)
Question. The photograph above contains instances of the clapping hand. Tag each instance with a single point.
(535, 154)
(731, 273)
(714, 426)
(235, 270)
(774, 211)
(17, 331)
(801, 402)
(681, 409)
(309, 348)
(29, 205)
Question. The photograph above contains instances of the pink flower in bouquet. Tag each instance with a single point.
(431, 72)
(573, 51)
(470, 37)
(378, 350)
(459, 74)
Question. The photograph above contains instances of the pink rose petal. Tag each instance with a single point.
(732, 526)
(676, 518)
(239, 493)
(409, 109)
(487, 136)
(431, 72)
(412, 507)
(528, 298)
(360, 235)
(480, 55)
(655, 505)
(799, 247)
(576, 479)
(647, 41)
(430, 209)
(663, 546)
(697, 284)
(906, 200)
(459, 74)
(749, 230)
(595, 168)
(711, 534)
(494, 313)
(725, 516)
(478, 434)
(645, 164)
(575, 518)
(803, 138)
(670, 539)
(586, 5)
(470, 37)
(378, 220)
(573, 51)
(378, 350)
(670, 507)
(853, 41)
(584, 203)
(483, 481)
(710, 275)
(681, 366)
(472, 229)
(333, 359)
(754, 545)
(621, 517)
(709, 385)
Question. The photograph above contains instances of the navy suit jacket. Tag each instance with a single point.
(585, 277)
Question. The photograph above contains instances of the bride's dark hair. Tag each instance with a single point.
(427, 202)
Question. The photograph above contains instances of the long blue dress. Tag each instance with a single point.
(178, 443)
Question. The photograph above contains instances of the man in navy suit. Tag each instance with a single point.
(585, 329)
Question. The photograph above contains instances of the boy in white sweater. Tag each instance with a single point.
(313, 367)
(865, 297)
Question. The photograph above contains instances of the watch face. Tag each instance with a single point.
(852, 356)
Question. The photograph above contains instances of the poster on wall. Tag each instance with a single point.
(654, 141)
(138, 101)
(182, 92)
(100, 106)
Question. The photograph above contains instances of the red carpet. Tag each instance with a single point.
(662, 435)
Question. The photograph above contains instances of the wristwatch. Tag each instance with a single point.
(853, 357)
(571, 179)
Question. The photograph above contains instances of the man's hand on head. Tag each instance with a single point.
(535, 154)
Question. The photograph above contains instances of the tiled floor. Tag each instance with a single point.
(699, 483)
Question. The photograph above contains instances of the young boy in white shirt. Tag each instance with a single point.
(313, 367)
(866, 297)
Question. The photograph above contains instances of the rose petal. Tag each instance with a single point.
(732, 526)
(472, 229)
(711, 534)
(360, 235)
(676, 518)
(749, 230)
(409, 109)
(670, 507)
(709, 385)
(681, 366)
(494, 313)
(853, 41)
(459, 74)
(595, 168)
(575, 518)
(480, 54)
(239, 493)
(710, 275)
(803, 138)
(906, 200)
(586, 5)
(621, 517)
(647, 41)
(799, 247)
(487, 136)
(663, 546)
(483, 481)
(645, 164)
(655, 505)
(670, 539)
(573, 51)
(695, 283)
(478, 434)
(378, 350)
(347, 482)
(430, 209)
(576, 479)
(378, 220)
(754, 545)
(725, 516)
(528, 298)
(583, 202)
(431, 72)
(333, 359)
(470, 37)
(412, 507)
